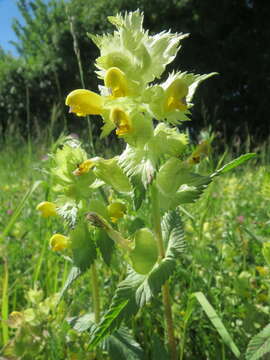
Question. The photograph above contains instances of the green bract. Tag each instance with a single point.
(145, 253)
(140, 56)
(67, 159)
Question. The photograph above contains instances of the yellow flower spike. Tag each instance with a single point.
(116, 81)
(84, 102)
(47, 209)
(116, 211)
(121, 120)
(176, 96)
(84, 167)
(59, 242)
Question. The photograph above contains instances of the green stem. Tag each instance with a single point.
(79, 61)
(165, 288)
(95, 293)
(4, 310)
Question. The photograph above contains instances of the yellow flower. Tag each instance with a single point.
(262, 270)
(84, 102)
(47, 209)
(15, 319)
(116, 81)
(176, 96)
(59, 242)
(121, 120)
(84, 167)
(116, 211)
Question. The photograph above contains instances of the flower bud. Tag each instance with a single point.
(59, 242)
(47, 209)
(84, 102)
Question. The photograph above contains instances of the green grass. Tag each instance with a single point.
(223, 260)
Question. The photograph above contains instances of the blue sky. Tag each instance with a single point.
(8, 11)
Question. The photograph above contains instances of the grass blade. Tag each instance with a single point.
(216, 321)
(19, 209)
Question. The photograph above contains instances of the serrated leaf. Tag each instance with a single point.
(123, 306)
(178, 185)
(105, 245)
(233, 164)
(83, 247)
(174, 240)
(82, 323)
(74, 273)
(68, 209)
(138, 162)
(259, 345)
(136, 290)
(122, 346)
(138, 191)
(217, 322)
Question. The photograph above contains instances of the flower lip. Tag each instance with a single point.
(84, 102)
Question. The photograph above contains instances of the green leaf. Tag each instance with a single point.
(217, 322)
(74, 273)
(123, 306)
(178, 185)
(259, 345)
(233, 164)
(122, 346)
(174, 238)
(145, 253)
(140, 162)
(83, 323)
(138, 191)
(105, 245)
(68, 209)
(159, 350)
(83, 247)
(136, 290)
(111, 173)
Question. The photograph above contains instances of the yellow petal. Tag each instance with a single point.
(84, 102)
(59, 242)
(47, 209)
(84, 167)
(176, 96)
(121, 120)
(116, 81)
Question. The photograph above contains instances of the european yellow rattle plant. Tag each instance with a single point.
(105, 203)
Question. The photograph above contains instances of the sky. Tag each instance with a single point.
(8, 11)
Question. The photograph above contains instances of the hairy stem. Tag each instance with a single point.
(165, 288)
